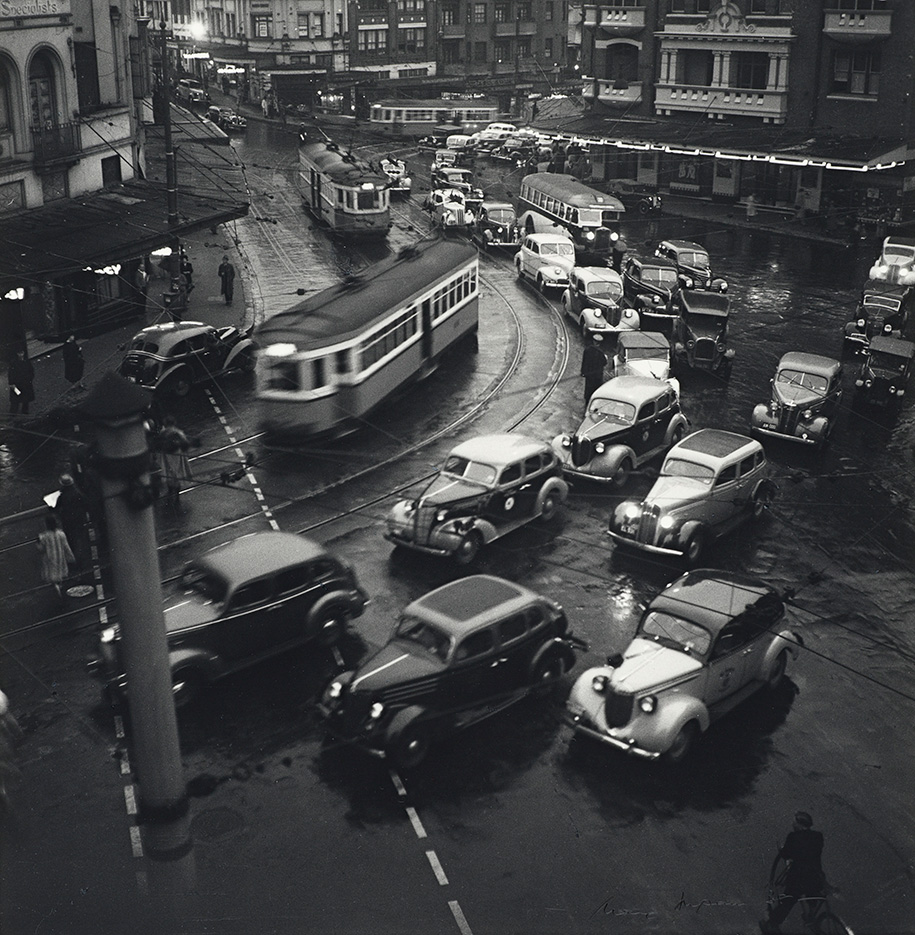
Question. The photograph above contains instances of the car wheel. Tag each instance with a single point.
(408, 748)
(247, 362)
(468, 548)
(518, 271)
(695, 546)
(682, 744)
(187, 686)
(549, 506)
(677, 435)
(777, 675)
(180, 387)
(331, 626)
(541, 285)
(762, 497)
(644, 207)
(547, 674)
(622, 473)
(585, 334)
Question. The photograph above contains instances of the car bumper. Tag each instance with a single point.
(643, 546)
(800, 439)
(446, 544)
(581, 725)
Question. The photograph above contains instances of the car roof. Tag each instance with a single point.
(810, 363)
(462, 606)
(882, 287)
(258, 554)
(712, 597)
(899, 241)
(503, 205)
(697, 302)
(887, 345)
(643, 339)
(168, 334)
(603, 273)
(549, 238)
(499, 449)
(632, 389)
(659, 261)
(711, 445)
(684, 245)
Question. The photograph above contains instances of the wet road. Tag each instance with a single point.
(527, 833)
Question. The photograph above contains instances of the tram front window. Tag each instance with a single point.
(284, 376)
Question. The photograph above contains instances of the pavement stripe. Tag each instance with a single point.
(136, 842)
(459, 917)
(417, 824)
(131, 799)
(437, 868)
(398, 785)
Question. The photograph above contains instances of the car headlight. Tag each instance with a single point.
(599, 448)
(566, 441)
(596, 312)
(687, 281)
(648, 704)
(666, 522)
(557, 272)
(892, 390)
(631, 510)
(859, 382)
(861, 323)
(868, 382)
(807, 414)
(334, 690)
(589, 235)
(720, 347)
(108, 635)
(614, 236)
(656, 299)
(441, 516)
(376, 711)
(887, 328)
(690, 343)
(599, 683)
(723, 287)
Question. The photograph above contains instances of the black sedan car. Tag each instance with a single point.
(693, 265)
(172, 358)
(651, 286)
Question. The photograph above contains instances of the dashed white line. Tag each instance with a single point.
(398, 785)
(119, 727)
(136, 842)
(459, 917)
(131, 799)
(417, 824)
(437, 868)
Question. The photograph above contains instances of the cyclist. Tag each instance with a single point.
(803, 849)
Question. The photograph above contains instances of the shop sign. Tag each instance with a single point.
(112, 270)
(15, 294)
(20, 9)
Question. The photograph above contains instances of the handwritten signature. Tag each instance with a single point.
(608, 907)
(705, 903)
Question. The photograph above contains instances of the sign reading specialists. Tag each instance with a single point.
(18, 9)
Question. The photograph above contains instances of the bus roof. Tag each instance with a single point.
(344, 310)
(570, 190)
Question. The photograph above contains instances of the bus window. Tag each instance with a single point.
(318, 372)
(284, 375)
(343, 361)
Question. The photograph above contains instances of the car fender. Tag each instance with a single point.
(566, 301)
(760, 411)
(555, 645)
(675, 711)
(764, 486)
(401, 720)
(242, 347)
(553, 485)
(194, 657)
(817, 426)
(687, 529)
(787, 640)
(461, 526)
(171, 372)
(333, 600)
(613, 457)
(678, 421)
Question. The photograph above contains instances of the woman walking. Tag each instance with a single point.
(74, 365)
(174, 445)
(56, 554)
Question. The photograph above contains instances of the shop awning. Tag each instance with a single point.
(100, 228)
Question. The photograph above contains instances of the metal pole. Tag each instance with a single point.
(171, 172)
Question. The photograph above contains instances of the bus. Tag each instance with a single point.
(407, 118)
(550, 201)
(328, 362)
(345, 193)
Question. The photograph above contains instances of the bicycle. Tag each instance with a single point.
(815, 911)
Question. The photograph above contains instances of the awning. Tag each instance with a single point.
(98, 229)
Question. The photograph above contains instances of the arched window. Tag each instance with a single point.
(42, 96)
(6, 117)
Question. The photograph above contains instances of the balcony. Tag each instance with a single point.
(612, 92)
(454, 31)
(857, 26)
(770, 106)
(615, 19)
(53, 146)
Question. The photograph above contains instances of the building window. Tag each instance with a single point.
(261, 26)
(480, 50)
(451, 52)
(411, 40)
(317, 25)
(5, 123)
(54, 186)
(751, 70)
(548, 11)
(479, 13)
(548, 47)
(111, 171)
(858, 5)
(524, 47)
(411, 6)
(373, 41)
(694, 67)
(690, 6)
(42, 93)
(303, 25)
(449, 16)
(502, 13)
(622, 63)
(766, 7)
(856, 72)
(502, 50)
(524, 12)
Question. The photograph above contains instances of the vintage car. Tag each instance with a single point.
(885, 308)
(700, 335)
(191, 91)
(806, 392)
(516, 150)
(707, 642)
(449, 209)
(496, 226)
(496, 131)
(461, 653)
(396, 170)
(546, 260)
(460, 179)
(444, 158)
(240, 603)
(226, 118)
(636, 196)
(896, 262)
(643, 354)
(487, 487)
(710, 483)
(693, 266)
(885, 371)
(629, 421)
(651, 286)
(171, 358)
(594, 301)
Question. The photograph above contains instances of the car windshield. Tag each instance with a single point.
(881, 301)
(204, 583)
(678, 467)
(420, 633)
(558, 249)
(881, 361)
(898, 253)
(604, 290)
(659, 276)
(474, 471)
(662, 627)
(698, 260)
(500, 215)
(612, 410)
(810, 381)
(646, 353)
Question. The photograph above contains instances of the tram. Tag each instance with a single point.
(329, 361)
(342, 191)
(406, 118)
(550, 201)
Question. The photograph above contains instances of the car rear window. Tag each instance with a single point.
(207, 585)
(477, 644)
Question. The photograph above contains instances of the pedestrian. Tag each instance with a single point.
(803, 849)
(173, 445)
(187, 270)
(265, 106)
(74, 365)
(751, 206)
(227, 277)
(593, 362)
(72, 510)
(21, 376)
(617, 252)
(10, 735)
(56, 554)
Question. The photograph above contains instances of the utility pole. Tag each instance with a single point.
(171, 171)
(117, 408)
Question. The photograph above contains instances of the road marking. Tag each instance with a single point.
(125, 762)
(398, 785)
(131, 799)
(437, 868)
(417, 824)
(459, 917)
(136, 842)
(119, 727)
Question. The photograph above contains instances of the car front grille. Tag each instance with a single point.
(617, 709)
(788, 418)
(648, 524)
(705, 349)
(399, 696)
(423, 518)
(582, 450)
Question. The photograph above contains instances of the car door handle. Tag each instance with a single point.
(497, 662)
